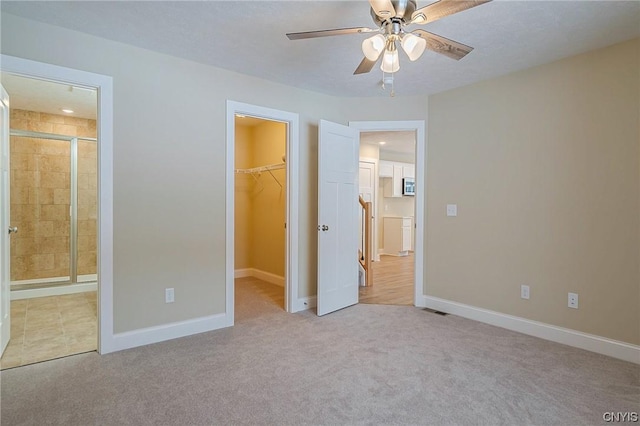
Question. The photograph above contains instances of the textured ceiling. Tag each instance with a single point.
(249, 37)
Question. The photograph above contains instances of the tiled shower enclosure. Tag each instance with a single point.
(53, 197)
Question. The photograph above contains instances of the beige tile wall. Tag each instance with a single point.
(40, 196)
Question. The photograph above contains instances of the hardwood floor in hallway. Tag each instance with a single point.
(392, 281)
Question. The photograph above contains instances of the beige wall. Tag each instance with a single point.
(244, 187)
(369, 151)
(169, 165)
(543, 165)
(260, 204)
(40, 194)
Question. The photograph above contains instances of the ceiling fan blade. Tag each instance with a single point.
(365, 66)
(443, 45)
(443, 8)
(383, 8)
(327, 33)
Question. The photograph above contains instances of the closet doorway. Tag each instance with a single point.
(260, 213)
(290, 190)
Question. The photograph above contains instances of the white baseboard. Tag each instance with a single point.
(304, 303)
(59, 290)
(147, 336)
(261, 275)
(578, 339)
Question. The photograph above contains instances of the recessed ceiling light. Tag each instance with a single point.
(382, 142)
(68, 111)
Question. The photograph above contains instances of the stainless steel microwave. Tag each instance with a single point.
(408, 186)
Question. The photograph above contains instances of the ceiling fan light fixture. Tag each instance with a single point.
(413, 46)
(373, 47)
(390, 60)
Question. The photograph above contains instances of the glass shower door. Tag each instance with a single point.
(40, 199)
(87, 184)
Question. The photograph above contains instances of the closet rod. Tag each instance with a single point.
(262, 168)
(256, 171)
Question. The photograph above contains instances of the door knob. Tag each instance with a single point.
(325, 228)
(13, 230)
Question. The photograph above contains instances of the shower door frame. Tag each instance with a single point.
(73, 204)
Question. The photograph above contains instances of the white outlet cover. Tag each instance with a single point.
(524, 291)
(573, 300)
(169, 295)
(452, 210)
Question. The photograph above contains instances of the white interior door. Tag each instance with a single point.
(5, 300)
(337, 217)
(367, 180)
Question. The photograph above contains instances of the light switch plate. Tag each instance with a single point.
(452, 210)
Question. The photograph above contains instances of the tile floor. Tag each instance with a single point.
(51, 327)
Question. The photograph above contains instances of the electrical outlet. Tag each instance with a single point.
(169, 295)
(524, 291)
(452, 210)
(573, 300)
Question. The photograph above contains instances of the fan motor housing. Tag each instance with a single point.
(404, 9)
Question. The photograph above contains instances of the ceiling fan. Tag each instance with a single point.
(392, 17)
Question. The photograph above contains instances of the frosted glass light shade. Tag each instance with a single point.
(413, 46)
(390, 61)
(373, 46)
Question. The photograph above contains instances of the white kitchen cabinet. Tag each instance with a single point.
(409, 171)
(393, 172)
(393, 187)
(386, 169)
(397, 235)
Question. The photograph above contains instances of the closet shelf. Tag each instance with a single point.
(262, 168)
(255, 172)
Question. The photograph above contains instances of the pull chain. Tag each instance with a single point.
(388, 80)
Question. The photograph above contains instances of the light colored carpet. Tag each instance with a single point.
(368, 364)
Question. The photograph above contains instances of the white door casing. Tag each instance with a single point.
(292, 302)
(338, 163)
(5, 274)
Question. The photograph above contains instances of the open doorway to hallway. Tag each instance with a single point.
(393, 199)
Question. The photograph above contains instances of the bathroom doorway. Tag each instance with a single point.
(53, 209)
